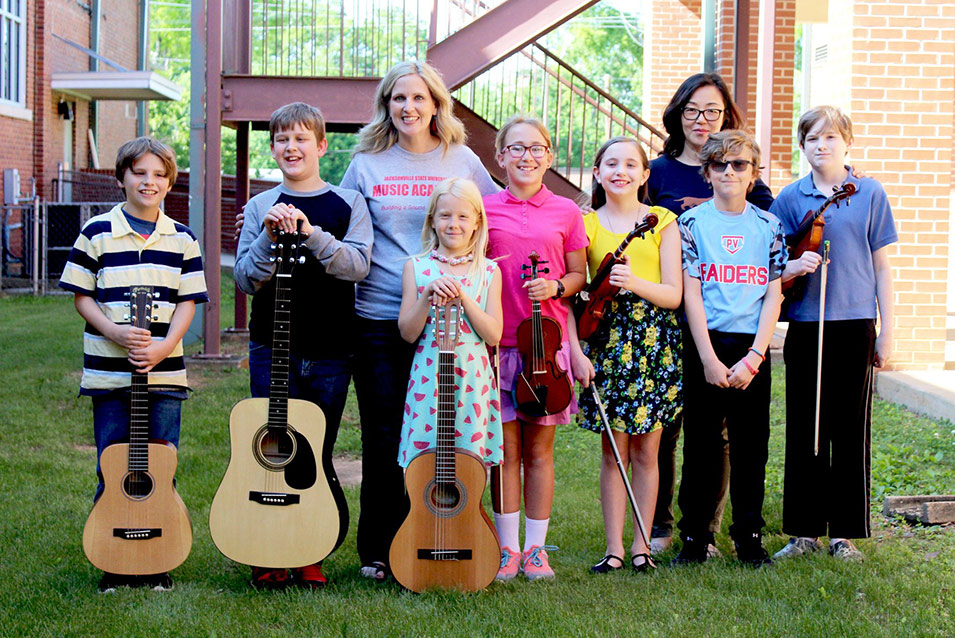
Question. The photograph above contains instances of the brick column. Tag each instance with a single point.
(673, 51)
(902, 94)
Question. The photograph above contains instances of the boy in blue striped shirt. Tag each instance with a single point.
(135, 244)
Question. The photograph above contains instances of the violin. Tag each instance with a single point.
(808, 236)
(543, 386)
(593, 302)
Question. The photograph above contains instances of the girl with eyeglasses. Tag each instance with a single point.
(700, 107)
(527, 217)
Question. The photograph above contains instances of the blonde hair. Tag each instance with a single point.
(467, 191)
(285, 117)
(521, 118)
(380, 134)
(729, 142)
(832, 115)
(130, 152)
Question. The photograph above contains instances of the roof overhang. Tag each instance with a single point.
(116, 85)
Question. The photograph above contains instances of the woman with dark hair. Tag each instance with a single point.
(701, 106)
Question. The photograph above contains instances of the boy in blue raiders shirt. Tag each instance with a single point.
(733, 257)
(828, 494)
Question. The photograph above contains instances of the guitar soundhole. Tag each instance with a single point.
(445, 499)
(274, 447)
(138, 484)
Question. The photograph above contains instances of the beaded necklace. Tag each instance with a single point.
(452, 261)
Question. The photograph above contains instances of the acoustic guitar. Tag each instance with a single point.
(274, 508)
(139, 525)
(447, 541)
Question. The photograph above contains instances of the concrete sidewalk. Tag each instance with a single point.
(930, 392)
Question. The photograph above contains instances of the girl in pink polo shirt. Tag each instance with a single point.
(523, 218)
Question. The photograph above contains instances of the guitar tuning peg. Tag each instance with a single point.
(155, 317)
(273, 246)
(156, 295)
(271, 260)
(301, 259)
(126, 317)
(279, 260)
(126, 294)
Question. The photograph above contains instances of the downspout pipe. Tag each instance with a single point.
(96, 17)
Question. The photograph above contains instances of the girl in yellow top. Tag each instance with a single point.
(635, 356)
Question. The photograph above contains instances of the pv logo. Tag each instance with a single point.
(732, 243)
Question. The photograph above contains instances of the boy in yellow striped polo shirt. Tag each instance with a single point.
(135, 244)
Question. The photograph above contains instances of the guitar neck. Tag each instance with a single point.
(444, 470)
(139, 422)
(278, 384)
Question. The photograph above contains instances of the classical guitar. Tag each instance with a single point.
(808, 236)
(593, 302)
(447, 540)
(543, 386)
(274, 508)
(139, 525)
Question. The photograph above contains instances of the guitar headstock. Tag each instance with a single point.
(534, 266)
(141, 306)
(447, 320)
(287, 247)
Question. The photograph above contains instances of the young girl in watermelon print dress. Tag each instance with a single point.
(453, 266)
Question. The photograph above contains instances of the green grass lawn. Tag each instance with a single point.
(906, 586)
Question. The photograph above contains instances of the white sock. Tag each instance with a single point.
(508, 529)
(535, 532)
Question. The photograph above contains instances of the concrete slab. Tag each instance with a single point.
(348, 470)
(928, 392)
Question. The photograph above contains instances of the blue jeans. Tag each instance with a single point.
(383, 366)
(324, 382)
(111, 421)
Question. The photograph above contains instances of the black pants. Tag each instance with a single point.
(382, 367)
(746, 415)
(829, 494)
(666, 464)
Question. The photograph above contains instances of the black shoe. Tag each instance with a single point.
(156, 582)
(644, 567)
(604, 566)
(110, 582)
(749, 551)
(693, 552)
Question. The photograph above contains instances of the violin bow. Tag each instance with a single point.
(822, 317)
(616, 455)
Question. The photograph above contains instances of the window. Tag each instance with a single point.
(13, 52)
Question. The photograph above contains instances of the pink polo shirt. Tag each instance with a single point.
(551, 225)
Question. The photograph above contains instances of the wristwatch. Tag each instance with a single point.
(560, 290)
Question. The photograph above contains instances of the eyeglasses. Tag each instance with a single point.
(710, 115)
(517, 150)
(738, 165)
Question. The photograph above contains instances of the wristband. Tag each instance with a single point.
(749, 367)
(560, 290)
(759, 354)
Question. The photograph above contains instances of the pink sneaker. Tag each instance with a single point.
(535, 562)
(510, 564)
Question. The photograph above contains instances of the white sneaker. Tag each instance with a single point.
(845, 550)
(797, 546)
(712, 551)
(660, 544)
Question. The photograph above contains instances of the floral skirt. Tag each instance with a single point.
(638, 357)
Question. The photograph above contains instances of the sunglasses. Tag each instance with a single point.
(738, 165)
(517, 150)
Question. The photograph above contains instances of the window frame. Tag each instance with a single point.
(19, 19)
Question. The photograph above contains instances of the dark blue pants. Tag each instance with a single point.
(111, 421)
(382, 368)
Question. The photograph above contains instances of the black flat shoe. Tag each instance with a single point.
(604, 566)
(646, 566)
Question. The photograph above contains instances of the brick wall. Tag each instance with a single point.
(16, 131)
(118, 41)
(673, 50)
(902, 95)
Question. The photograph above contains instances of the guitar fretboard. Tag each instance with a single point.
(139, 422)
(444, 471)
(278, 386)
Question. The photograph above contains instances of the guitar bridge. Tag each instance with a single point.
(444, 554)
(137, 534)
(274, 498)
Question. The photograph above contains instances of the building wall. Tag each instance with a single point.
(902, 92)
(119, 39)
(673, 50)
(16, 124)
